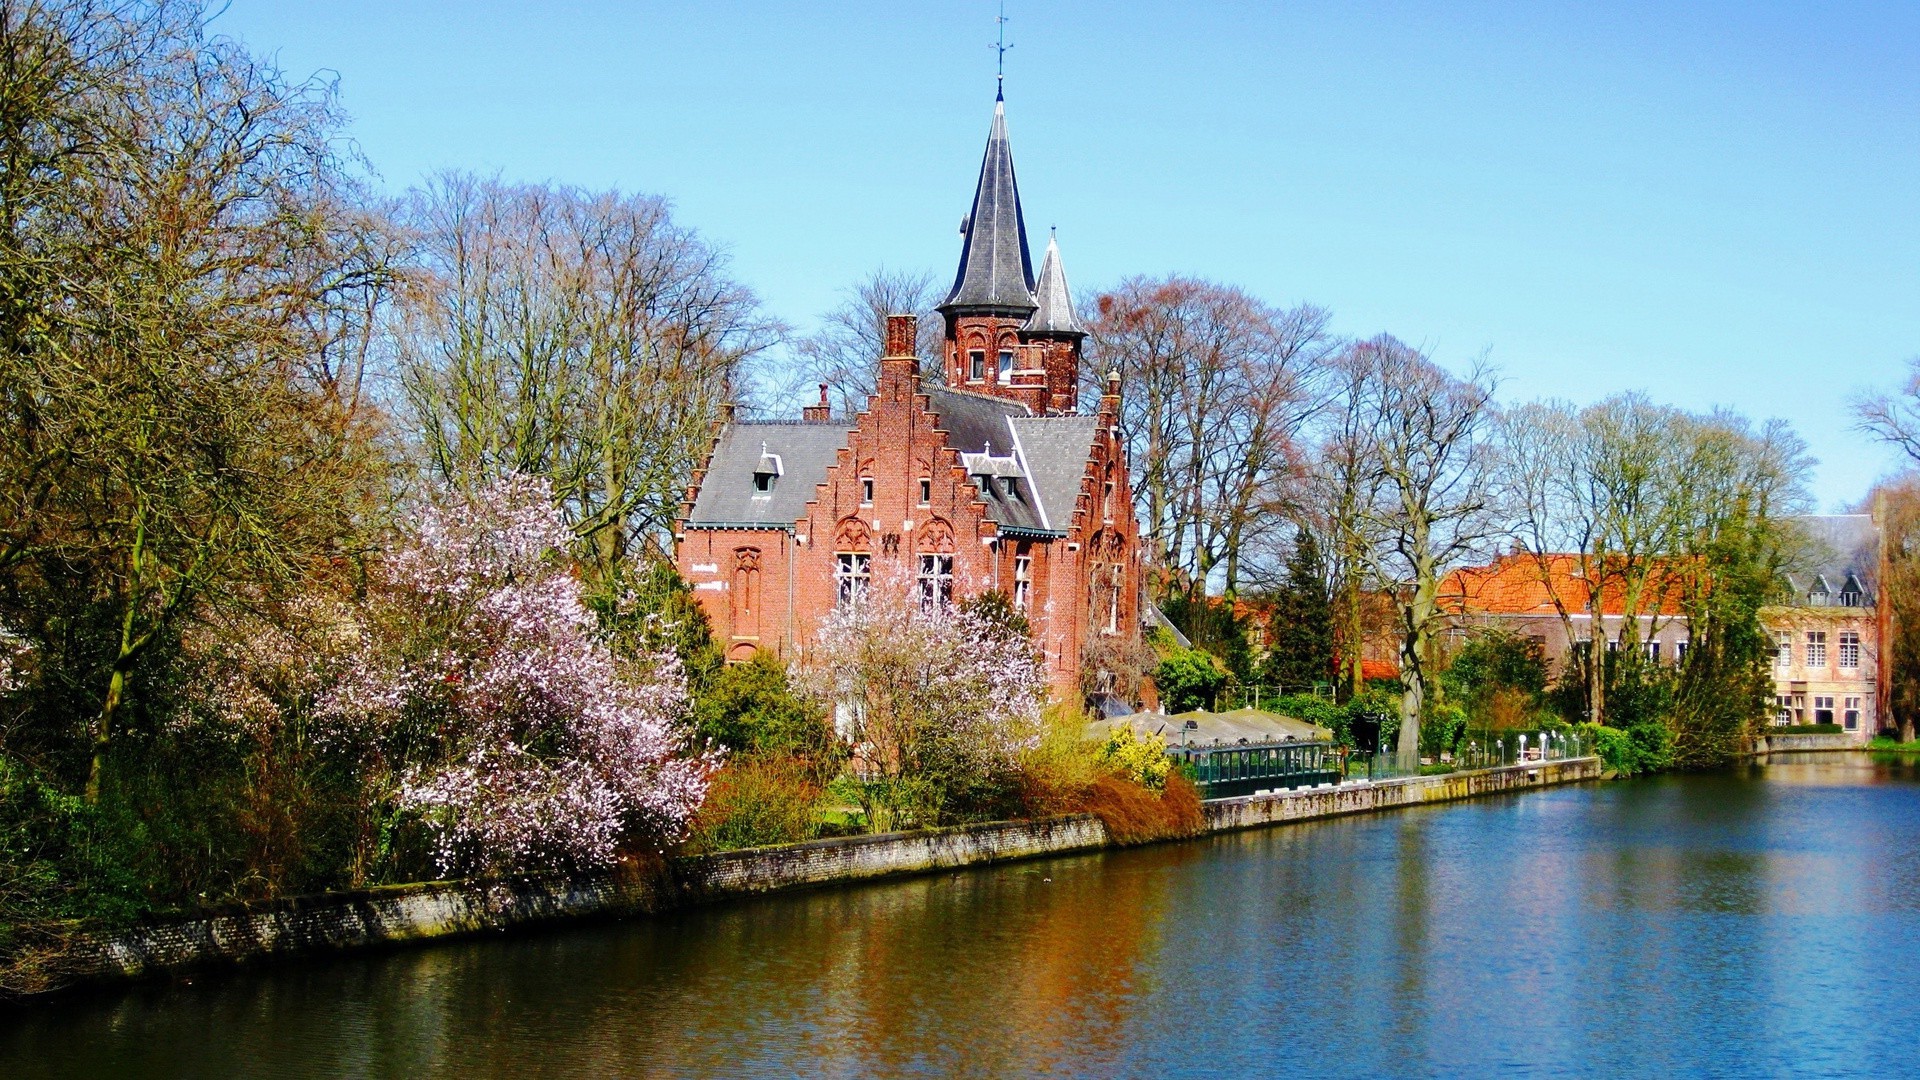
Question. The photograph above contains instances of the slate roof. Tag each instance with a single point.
(1054, 315)
(1055, 450)
(1252, 726)
(1044, 457)
(727, 496)
(996, 272)
(1840, 548)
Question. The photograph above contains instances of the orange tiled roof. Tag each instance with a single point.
(1525, 584)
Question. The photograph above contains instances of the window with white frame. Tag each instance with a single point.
(1799, 708)
(1852, 713)
(1816, 648)
(1782, 649)
(977, 365)
(1006, 365)
(1113, 602)
(1849, 648)
(1653, 651)
(852, 572)
(1023, 582)
(1783, 710)
(936, 581)
(1822, 709)
(926, 491)
(866, 491)
(1680, 652)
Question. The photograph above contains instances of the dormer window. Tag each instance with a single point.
(766, 470)
(1013, 487)
(1850, 592)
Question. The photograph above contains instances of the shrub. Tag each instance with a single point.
(1142, 760)
(1443, 730)
(752, 708)
(1136, 815)
(1188, 680)
(758, 802)
(1803, 729)
(1644, 748)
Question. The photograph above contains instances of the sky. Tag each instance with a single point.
(1715, 203)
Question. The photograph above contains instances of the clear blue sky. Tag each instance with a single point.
(1718, 203)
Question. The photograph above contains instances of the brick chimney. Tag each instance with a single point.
(818, 413)
(900, 364)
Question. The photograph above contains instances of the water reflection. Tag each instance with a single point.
(1743, 922)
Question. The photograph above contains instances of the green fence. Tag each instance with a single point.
(1224, 770)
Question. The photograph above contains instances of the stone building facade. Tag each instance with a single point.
(1827, 666)
(995, 480)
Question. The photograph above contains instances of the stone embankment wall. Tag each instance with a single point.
(1774, 744)
(242, 933)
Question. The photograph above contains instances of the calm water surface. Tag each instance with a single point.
(1762, 922)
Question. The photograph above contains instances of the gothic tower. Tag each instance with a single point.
(1008, 334)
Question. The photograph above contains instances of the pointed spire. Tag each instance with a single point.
(996, 273)
(1054, 315)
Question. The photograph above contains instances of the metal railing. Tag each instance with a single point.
(1222, 770)
(1482, 751)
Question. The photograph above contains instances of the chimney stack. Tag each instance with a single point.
(902, 338)
(818, 413)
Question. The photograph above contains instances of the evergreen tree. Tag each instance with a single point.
(1302, 626)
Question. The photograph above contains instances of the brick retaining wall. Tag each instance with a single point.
(242, 933)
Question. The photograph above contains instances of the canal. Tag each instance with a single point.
(1764, 921)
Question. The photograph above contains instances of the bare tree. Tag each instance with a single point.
(578, 336)
(1220, 386)
(1608, 488)
(1428, 439)
(1894, 417)
(844, 353)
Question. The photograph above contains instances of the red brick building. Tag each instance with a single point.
(995, 480)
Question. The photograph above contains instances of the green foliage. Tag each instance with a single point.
(1491, 662)
(996, 609)
(1213, 626)
(1646, 748)
(1314, 710)
(58, 857)
(1373, 719)
(751, 708)
(1301, 651)
(1141, 760)
(1804, 729)
(651, 609)
(1188, 680)
(1442, 730)
(758, 802)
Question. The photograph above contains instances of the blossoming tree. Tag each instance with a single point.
(937, 700)
(512, 729)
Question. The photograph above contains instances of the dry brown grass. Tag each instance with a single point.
(1136, 815)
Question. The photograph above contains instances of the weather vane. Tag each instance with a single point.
(1001, 47)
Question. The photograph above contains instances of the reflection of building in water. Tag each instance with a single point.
(1827, 634)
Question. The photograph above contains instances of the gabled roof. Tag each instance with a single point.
(1520, 583)
(1840, 548)
(1055, 450)
(996, 272)
(1054, 315)
(727, 496)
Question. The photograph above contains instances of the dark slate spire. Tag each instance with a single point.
(1054, 315)
(996, 273)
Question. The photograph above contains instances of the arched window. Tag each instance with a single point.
(746, 592)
